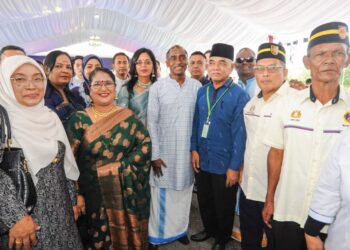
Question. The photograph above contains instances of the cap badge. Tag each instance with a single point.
(274, 50)
(342, 32)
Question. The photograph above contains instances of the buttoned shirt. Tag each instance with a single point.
(306, 130)
(250, 86)
(224, 144)
(257, 115)
(331, 199)
(169, 119)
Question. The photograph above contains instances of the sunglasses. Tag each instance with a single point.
(245, 59)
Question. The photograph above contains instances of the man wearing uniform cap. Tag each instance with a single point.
(302, 133)
(217, 145)
(271, 73)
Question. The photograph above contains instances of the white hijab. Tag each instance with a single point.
(36, 129)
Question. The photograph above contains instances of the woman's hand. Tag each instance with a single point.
(23, 233)
(79, 209)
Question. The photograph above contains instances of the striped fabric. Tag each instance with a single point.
(170, 116)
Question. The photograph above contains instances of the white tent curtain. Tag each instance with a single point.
(158, 24)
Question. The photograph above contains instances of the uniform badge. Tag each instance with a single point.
(346, 117)
(296, 114)
(342, 32)
(274, 50)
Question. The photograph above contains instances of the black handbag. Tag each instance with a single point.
(13, 162)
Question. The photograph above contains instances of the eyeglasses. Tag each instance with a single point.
(245, 59)
(96, 85)
(21, 81)
(273, 68)
(146, 62)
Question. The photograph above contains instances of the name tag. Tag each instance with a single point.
(205, 130)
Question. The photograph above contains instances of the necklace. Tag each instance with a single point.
(98, 114)
(143, 85)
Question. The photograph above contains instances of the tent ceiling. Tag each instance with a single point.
(158, 24)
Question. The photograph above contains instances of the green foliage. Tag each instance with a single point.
(304, 74)
(346, 77)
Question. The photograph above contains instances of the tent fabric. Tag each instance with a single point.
(40, 25)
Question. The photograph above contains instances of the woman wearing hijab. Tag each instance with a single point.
(40, 134)
(59, 72)
(113, 152)
(90, 63)
(134, 94)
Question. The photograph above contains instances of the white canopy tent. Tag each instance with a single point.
(43, 25)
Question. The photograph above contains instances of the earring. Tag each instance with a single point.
(153, 75)
(136, 75)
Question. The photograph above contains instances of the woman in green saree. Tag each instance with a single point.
(134, 94)
(113, 152)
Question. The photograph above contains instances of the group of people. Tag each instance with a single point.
(114, 153)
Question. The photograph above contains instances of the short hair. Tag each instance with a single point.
(239, 51)
(11, 47)
(208, 51)
(103, 70)
(77, 58)
(198, 53)
(120, 54)
(175, 47)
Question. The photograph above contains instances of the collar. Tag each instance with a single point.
(174, 81)
(226, 84)
(248, 80)
(334, 100)
(282, 90)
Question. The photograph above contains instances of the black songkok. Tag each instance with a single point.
(334, 32)
(222, 50)
(271, 50)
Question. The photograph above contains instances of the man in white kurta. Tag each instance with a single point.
(171, 107)
(302, 133)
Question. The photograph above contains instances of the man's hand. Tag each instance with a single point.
(195, 161)
(267, 212)
(157, 167)
(232, 177)
(23, 233)
(314, 243)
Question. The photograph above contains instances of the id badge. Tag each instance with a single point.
(205, 130)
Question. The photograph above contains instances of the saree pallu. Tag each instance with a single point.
(137, 102)
(113, 155)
